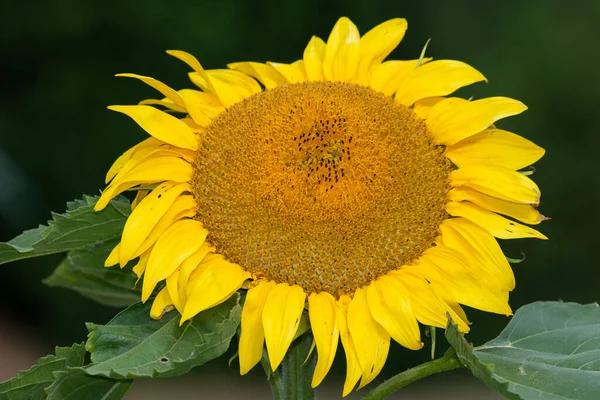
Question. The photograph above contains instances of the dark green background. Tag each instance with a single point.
(58, 58)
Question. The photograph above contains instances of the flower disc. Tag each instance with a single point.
(324, 185)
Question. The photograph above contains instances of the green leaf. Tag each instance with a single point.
(548, 351)
(132, 345)
(80, 226)
(30, 384)
(76, 385)
(83, 271)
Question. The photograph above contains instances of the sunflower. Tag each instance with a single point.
(339, 184)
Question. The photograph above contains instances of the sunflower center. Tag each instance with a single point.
(324, 185)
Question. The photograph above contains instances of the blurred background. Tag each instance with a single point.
(57, 139)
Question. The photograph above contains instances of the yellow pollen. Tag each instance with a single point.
(324, 185)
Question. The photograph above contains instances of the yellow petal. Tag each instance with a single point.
(162, 304)
(428, 307)
(437, 78)
(189, 266)
(118, 164)
(150, 171)
(322, 314)
(178, 242)
(450, 123)
(497, 182)
(424, 106)
(371, 341)
(160, 125)
(166, 91)
(342, 52)
(314, 55)
(446, 269)
(252, 338)
(187, 58)
(391, 308)
(113, 257)
(163, 103)
(200, 106)
(475, 242)
(495, 224)
(173, 288)
(146, 215)
(183, 207)
(290, 72)
(215, 284)
(266, 74)
(139, 196)
(495, 147)
(377, 44)
(522, 212)
(353, 370)
(140, 267)
(281, 317)
(387, 76)
(232, 86)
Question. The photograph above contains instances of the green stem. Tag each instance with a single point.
(448, 362)
(291, 380)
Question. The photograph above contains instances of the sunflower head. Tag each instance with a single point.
(340, 183)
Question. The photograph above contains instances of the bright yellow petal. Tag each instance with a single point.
(173, 288)
(322, 313)
(150, 171)
(522, 212)
(215, 284)
(183, 207)
(437, 78)
(140, 267)
(232, 86)
(390, 306)
(377, 44)
(166, 91)
(178, 242)
(428, 307)
(387, 76)
(371, 341)
(145, 217)
(163, 103)
(200, 106)
(265, 73)
(189, 266)
(495, 147)
(314, 55)
(139, 196)
(160, 125)
(120, 162)
(281, 318)
(450, 123)
(187, 58)
(252, 338)
(446, 269)
(495, 224)
(471, 240)
(291, 72)
(497, 182)
(353, 370)
(342, 52)
(113, 257)
(424, 106)
(162, 304)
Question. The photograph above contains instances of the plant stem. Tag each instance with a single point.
(448, 362)
(292, 379)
